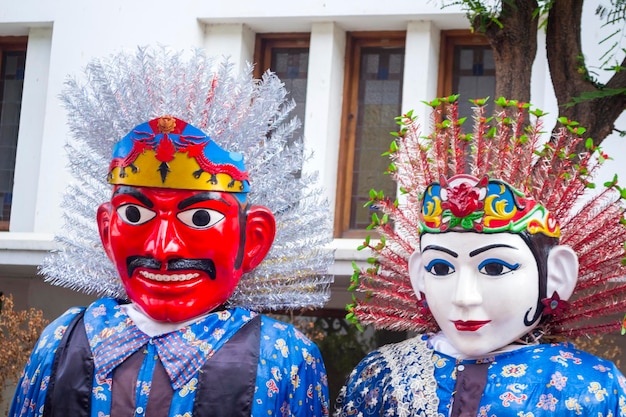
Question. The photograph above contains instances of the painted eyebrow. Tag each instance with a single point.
(134, 193)
(442, 249)
(198, 198)
(489, 247)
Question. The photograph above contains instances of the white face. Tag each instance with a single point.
(479, 287)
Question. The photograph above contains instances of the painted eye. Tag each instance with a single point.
(440, 267)
(200, 218)
(135, 214)
(496, 267)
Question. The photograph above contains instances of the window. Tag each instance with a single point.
(12, 65)
(372, 99)
(287, 55)
(466, 67)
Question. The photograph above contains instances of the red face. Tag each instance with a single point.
(181, 253)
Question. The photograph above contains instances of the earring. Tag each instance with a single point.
(424, 303)
(554, 306)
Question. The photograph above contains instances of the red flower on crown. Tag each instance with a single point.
(464, 199)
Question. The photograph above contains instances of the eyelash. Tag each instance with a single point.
(432, 264)
(430, 268)
(499, 262)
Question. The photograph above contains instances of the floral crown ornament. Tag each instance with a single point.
(248, 117)
(464, 202)
(167, 152)
(500, 175)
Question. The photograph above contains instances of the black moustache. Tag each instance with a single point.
(205, 265)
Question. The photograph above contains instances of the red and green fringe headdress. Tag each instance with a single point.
(508, 150)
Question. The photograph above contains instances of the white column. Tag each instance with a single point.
(421, 65)
(323, 103)
(233, 40)
(31, 131)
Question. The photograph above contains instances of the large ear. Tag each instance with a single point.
(416, 272)
(104, 223)
(260, 232)
(562, 272)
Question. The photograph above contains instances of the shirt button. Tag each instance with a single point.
(460, 367)
(139, 410)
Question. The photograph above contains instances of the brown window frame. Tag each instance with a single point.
(266, 42)
(450, 39)
(355, 41)
(11, 43)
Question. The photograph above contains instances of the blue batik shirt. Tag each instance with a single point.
(411, 378)
(291, 378)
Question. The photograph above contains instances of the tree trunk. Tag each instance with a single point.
(514, 48)
(569, 74)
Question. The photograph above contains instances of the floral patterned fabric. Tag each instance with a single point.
(532, 381)
(291, 378)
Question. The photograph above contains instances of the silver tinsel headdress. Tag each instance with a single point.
(240, 114)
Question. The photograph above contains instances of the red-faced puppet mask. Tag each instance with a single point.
(178, 227)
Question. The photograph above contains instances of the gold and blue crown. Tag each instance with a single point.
(167, 152)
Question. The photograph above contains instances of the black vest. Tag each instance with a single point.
(225, 388)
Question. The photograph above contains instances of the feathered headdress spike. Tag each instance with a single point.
(551, 178)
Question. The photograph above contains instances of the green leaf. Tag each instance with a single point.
(563, 120)
(502, 102)
(537, 112)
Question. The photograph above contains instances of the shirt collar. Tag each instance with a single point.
(113, 337)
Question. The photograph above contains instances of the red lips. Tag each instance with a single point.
(469, 326)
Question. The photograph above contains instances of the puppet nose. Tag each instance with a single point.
(166, 242)
(467, 292)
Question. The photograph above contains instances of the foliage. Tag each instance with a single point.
(580, 91)
(606, 346)
(19, 331)
(484, 13)
(615, 14)
(342, 345)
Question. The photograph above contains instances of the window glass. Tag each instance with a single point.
(11, 85)
(473, 75)
(287, 55)
(379, 102)
(291, 66)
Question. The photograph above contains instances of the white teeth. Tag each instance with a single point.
(168, 277)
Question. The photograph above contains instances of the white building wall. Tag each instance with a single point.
(64, 35)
